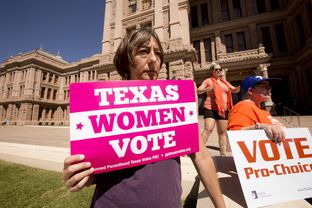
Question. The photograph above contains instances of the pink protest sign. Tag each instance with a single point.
(121, 124)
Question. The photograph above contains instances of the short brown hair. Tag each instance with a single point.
(130, 43)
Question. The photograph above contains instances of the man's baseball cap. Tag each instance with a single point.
(251, 81)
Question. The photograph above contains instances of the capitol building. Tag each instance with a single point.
(272, 38)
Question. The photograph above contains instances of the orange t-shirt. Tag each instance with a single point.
(246, 113)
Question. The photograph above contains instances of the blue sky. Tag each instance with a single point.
(73, 27)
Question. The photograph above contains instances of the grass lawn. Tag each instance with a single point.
(22, 186)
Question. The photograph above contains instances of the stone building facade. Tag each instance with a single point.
(263, 37)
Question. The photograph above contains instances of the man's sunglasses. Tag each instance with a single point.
(218, 69)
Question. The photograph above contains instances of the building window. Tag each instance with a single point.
(77, 78)
(44, 76)
(21, 91)
(261, 6)
(56, 79)
(274, 5)
(237, 9)
(266, 39)
(49, 94)
(9, 93)
(280, 37)
(207, 46)
(146, 4)
(241, 42)
(54, 94)
(300, 31)
(229, 43)
(196, 45)
(204, 14)
(225, 10)
(194, 17)
(42, 92)
(50, 78)
(132, 6)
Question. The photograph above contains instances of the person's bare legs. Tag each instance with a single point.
(209, 125)
(222, 127)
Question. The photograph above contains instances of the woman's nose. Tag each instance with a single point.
(152, 56)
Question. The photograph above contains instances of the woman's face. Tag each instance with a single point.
(146, 59)
(217, 71)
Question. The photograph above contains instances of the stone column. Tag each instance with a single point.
(45, 93)
(2, 81)
(2, 111)
(58, 116)
(158, 18)
(16, 88)
(95, 75)
(175, 40)
(107, 29)
(218, 44)
(178, 67)
(184, 24)
(35, 114)
(213, 50)
(72, 79)
(268, 105)
(67, 115)
(43, 115)
(49, 114)
(188, 70)
(29, 109)
(174, 19)
(5, 92)
(139, 6)
(202, 52)
(38, 74)
(61, 89)
(29, 82)
(15, 113)
(64, 114)
(118, 24)
(263, 70)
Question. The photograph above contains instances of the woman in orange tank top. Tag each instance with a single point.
(217, 105)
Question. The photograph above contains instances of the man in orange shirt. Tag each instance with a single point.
(248, 115)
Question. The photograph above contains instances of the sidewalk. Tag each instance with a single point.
(46, 148)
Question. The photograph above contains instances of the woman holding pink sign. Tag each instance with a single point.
(158, 184)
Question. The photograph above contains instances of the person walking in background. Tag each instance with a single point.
(139, 57)
(248, 114)
(217, 105)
